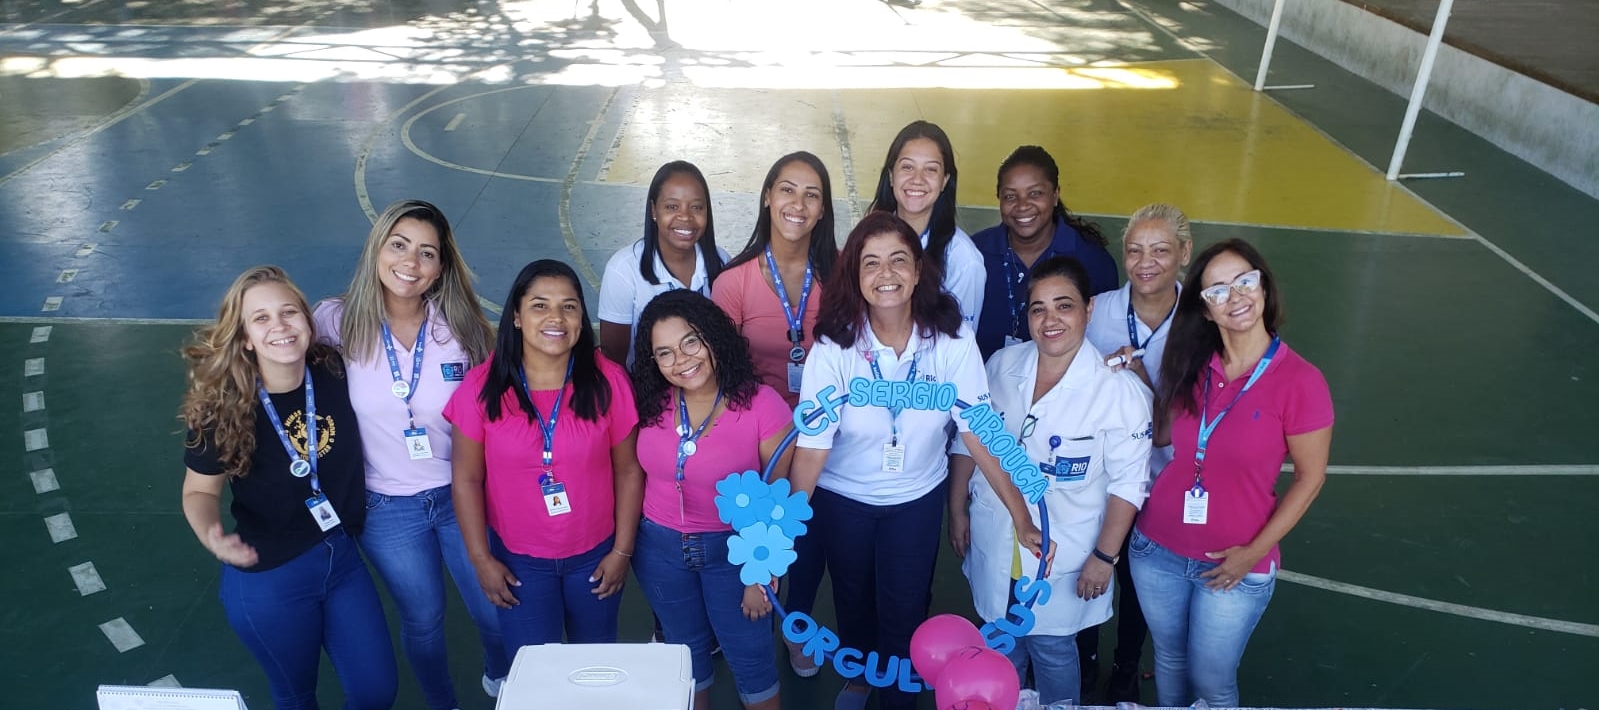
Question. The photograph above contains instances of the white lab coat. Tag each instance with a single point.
(1095, 413)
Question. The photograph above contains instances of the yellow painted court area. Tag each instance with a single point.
(1182, 131)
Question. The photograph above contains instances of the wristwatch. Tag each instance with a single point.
(1109, 559)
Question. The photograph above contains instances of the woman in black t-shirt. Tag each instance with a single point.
(292, 582)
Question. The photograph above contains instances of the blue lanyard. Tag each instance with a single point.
(796, 319)
(686, 439)
(1012, 280)
(1132, 324)
(300, 466)
(877, 372)
(1206, 429)
(416, 365)
(547, 427)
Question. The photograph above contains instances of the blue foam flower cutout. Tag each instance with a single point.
(789, 509)
(743, 499)
(762, 552)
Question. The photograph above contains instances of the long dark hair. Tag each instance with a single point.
(652, 231)
(1194, 338)
(591, 393)
(941, 223)
(824, 245)
(844, 306)
(730, 353)
(1039, 158)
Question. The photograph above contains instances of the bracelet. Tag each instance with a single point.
(619, 552)
(1107, 559)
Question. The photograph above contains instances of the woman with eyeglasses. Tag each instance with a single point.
(875, 473)
(703, 414)
(1234, 401)
(1088, 428)
(546, 477)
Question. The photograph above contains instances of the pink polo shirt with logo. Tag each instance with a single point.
(731, 445)
(1243, 460)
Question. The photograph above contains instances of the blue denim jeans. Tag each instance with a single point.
(698, 596)
(1053, 660)
(410, 541)
(556, 598)
(1199, 633)
(322, 599)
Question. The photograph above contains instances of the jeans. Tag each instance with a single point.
(1130, 627)
(411, 541)
(556, 597)
(322, 599)
(1054, 663)
(881, 559)
(1199, 633)
(698, 597)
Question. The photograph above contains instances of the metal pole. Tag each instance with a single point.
(1271, 40)
(1420, 89)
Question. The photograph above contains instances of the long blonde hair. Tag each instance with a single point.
(220, 399)
(360, 326)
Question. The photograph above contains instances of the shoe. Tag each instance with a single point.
(804, 666)
(716, 650)
(492, 686)
(852, 697)
(1123, 685)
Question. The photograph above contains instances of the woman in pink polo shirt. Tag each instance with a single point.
(703, 414)
(1235, 401)
(547, 482)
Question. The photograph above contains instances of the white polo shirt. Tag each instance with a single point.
(1107, 331)
(964, 274)
(624, 293)
(854, 467)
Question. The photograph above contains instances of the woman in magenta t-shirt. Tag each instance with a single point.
(547, 481)
(704, 414)
(1235, 401)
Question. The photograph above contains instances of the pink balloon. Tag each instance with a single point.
(937, 640)
(977, 680)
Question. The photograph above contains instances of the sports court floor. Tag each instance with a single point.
(149, 151)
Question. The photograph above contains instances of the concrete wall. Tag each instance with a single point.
(1542, 125)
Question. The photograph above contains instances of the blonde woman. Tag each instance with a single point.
(410, 328)
(268, 415)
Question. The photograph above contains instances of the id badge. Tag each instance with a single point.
(795, 372)
(893, 458)
(322, 512)
(1012, 340)
(1196, 506)
(556, 500)
(416, 444)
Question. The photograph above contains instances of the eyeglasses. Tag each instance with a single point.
(689, 346)
(1246, 283)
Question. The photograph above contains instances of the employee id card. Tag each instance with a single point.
(322, 512)
(555, 499)
(416, 444)
(795, 372)
(894, 458)
(1196, 506)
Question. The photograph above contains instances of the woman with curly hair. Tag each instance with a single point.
(268, 414)
(703, 413)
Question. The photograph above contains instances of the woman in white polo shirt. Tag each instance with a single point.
(678, 250)
(876, 473)
(409, 328)
(1088, 427)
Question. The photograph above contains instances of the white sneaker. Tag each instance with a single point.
(492, 686)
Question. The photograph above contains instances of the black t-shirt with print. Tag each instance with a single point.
(269, 503)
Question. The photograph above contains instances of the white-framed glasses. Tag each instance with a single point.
(689, 346)
(1246, 283)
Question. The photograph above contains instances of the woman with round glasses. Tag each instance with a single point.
(703, 414)
(1235, 402)
(1088, 427)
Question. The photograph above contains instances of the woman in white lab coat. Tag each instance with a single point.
(1088, 428)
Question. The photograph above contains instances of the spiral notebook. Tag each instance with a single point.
(139, 697)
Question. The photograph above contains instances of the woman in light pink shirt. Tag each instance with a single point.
(409, 328)
(703, 414)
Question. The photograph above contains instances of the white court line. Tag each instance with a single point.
(33, 367)
(32, 401)
(115, 118)
(1518, 470)
(60, 527)
(455, 122)
(68, 320)
(87, 579)
(488, 305)
(40, 334)
(121, 635)
(52, 303)
(35, 439)
(88, 249)
(1470, 612)
(44, 481)
(166, 681)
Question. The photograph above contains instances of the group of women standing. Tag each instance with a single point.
(537, 464)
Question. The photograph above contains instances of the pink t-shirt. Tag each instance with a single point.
(748, 297)
(513, 446)
(381, 416)
(1244, 458)
(731, 445)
